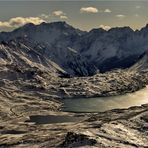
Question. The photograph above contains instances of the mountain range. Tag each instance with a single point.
(65, 50)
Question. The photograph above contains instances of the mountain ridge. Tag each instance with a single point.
(99, 49)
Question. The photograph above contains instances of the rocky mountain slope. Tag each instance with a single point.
(75, 51)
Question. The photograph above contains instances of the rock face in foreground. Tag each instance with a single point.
(37, 91)
(76, 140)
(116, 128)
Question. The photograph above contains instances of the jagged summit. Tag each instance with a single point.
(59, 25)
(126, 28)
(97, 30)
(64, 24)
(144, 31)
(145, 27)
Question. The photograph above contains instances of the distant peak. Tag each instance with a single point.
(125, 29)
(97, 30)
(145, 27)
(122, 28)
(28, 25)
(58, 23)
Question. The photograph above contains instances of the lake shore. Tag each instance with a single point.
(21, 98)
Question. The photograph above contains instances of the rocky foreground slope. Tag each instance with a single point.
(116, 128)
(35, 90)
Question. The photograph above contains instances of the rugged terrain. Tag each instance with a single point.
(38, 69)
(77, 52)
(42, 94)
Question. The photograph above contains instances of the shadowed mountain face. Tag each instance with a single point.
(75, 52)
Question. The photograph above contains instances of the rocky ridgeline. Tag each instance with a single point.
(76, 52)
(35, 74)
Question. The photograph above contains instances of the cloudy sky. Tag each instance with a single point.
(81, 14)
